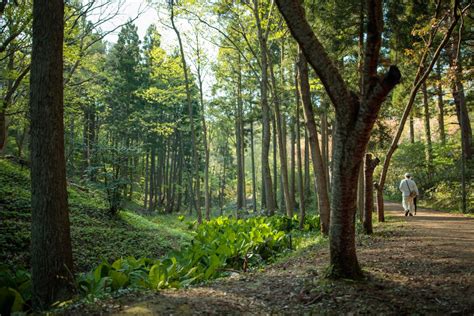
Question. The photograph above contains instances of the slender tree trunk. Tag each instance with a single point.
(412, 128)
(254, 179)
(370, 164)
(361, 191)
(307, 176)
(52, 270)
(7, 99)
(462, 113)
(289, 206)
(420, 77)
(457, 89)
(275, 164)
(151, 204)
(196, 197)
(239, 143)
(318, 166)
(207, 201)
(266, 117)
(300, 168)
(439, 93)
(147, 174)
(429, 146)
(293, 155)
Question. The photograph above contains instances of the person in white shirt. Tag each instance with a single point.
(409, 192)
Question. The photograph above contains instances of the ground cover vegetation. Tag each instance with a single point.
(166, 161)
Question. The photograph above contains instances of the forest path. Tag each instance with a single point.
(422, 264)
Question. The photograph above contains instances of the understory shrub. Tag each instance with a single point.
(219, 246)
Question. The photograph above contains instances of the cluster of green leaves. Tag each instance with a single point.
(15, 290)
(218, 246)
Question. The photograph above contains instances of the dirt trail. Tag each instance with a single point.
(413, 265)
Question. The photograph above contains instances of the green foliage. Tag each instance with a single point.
(15, 290)
(218, 245)
(442, 188)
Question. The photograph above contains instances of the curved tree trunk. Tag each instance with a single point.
(355, 117)
(420, 77)
(51, 252)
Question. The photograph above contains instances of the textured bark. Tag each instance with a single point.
(355, 118)
(300, 167)
(429, 146)
(462, 113)
(412, 128)
(361, 193)
(440, 103)
(318, 165)
(51, 252)
(457, 89)
(370, 164)
(307, 176)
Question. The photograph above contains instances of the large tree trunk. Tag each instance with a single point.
(318, 165)
(51, 252)
(355, 117)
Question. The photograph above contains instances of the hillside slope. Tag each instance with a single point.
(95, 233)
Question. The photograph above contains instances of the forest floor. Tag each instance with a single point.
(413, 265)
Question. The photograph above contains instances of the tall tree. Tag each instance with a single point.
(266, 117)
(51, 261)
(355, 117)
(196, 176)
(316, 157)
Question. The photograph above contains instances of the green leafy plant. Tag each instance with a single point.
(15, 290)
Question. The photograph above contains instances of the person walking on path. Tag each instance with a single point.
(409, 192)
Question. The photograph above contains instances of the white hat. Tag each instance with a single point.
(407, 175)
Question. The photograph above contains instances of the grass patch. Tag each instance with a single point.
(96, 235)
